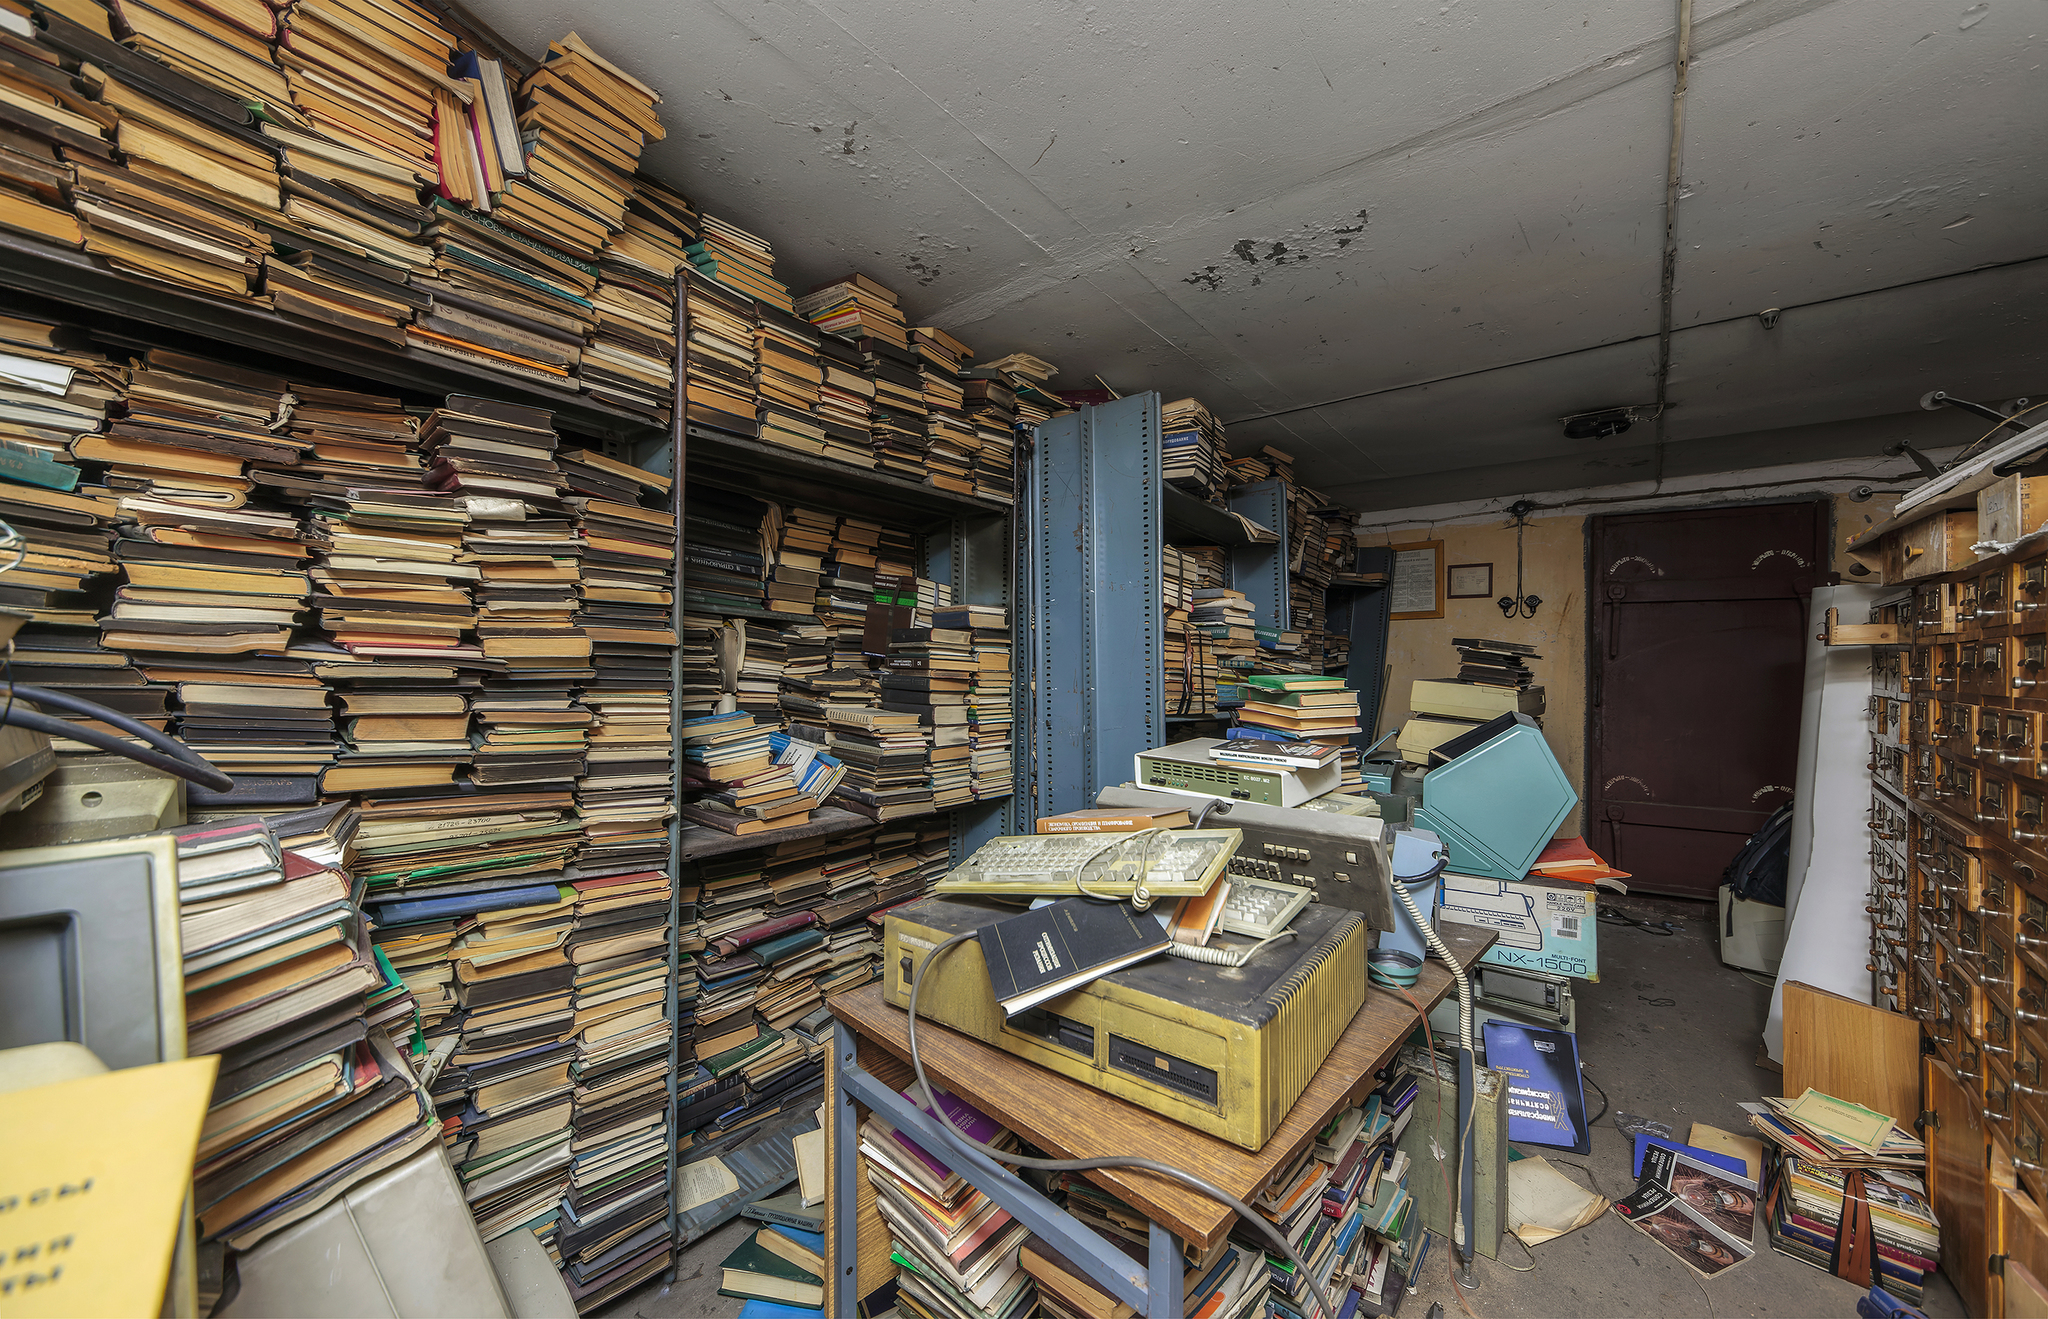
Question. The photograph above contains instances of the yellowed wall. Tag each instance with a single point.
(1553, 566)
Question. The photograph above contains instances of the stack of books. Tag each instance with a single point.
(992, 405)
(955, 441)
(724, 551)
(855, 307)
(584, 122)
(631, 357)
(718, 358)
(762, 654)
(898, 423)
(742, 262)
(956, 1251)
(1495, 663)
(36, 180)
(780, 1265)
(846, 395)
(308, 1100)
(740, 789)
(627, 610)
(1290, 706)
(787, 376)
(614, 1217)
(989, 709)
(1807, 1172)
(927, 674)
(887, 757)
(1225, 1281)
(1191, 451)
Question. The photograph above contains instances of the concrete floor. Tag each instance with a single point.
(1691, 1060)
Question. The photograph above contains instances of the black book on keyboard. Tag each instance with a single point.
(1040, 954)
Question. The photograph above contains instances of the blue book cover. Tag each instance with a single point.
(1644, 1140)
(760, 1309)
(407, 910)
(1546, 1100)
(811, 1241)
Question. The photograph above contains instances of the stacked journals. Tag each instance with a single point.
(762, 656)
(725, 551)
(888, 773)
(787, 376)
(778, 1264)
(1191, 449)
(956, 1251)
(954, 440)
(718, 358)
(728, 762)
(992, 405)
(856, 308)
(44, 111)
(900, 418)
(612, 1230)
(846, 395)
(631, 358)
(308, 1100)
(1287, 707)
(990, 772)
(1810, 1174)
(926, 675)
(1226, 1281)
(584, 122)
(742, 262)
(627, 610)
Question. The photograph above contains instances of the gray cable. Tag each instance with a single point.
(1210, 1189)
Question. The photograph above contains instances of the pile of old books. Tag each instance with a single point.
(954, 440)
(887, 757)
(1286, 707)
(989, 708)
(1191, 452)
(729, 766)
(719, 359)
(309, 1099)
(955, 1250)
(1495, 663)
(1821, 1153)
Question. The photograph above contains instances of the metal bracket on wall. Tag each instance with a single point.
(1096, 633)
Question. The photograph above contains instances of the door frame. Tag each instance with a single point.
(1596, 657)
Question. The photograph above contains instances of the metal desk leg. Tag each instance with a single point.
(845, 1285)
(1164, 1289)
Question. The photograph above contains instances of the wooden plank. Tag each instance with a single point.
(1852, 1051)
(2023, 1240)
(1071, 1120)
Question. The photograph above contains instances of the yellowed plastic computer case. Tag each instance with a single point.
(1224, 1050)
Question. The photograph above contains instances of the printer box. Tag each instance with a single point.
(1543, 926)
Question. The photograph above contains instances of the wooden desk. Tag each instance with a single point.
(1070, 1120)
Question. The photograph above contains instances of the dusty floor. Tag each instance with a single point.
(1691, 1059)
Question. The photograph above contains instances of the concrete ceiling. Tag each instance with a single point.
(1400, 239)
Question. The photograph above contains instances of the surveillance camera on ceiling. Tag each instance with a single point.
(1606, 422)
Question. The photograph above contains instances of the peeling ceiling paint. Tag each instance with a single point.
(1400, 239)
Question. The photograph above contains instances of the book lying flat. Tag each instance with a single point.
(1047, 952)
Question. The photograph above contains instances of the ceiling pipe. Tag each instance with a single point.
(1681, 62)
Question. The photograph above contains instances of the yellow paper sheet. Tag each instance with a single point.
(93, 1175)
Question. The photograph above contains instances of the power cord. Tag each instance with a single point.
(1587, 1077)
(169, 756)
(961, 1140)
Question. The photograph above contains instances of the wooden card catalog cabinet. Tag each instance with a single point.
(2030, 931)
(1959, 725)
(1887, 670)
(2029, 658)
(1938, 544)
(1943, 680)
(1994, 802)
(2026, 816)
(1920, 722)
(2026, 1145)
(1919, 669)
(1926, 765)
(2029, 589)
(1992, 605)
(1966, 605)
(1934, 609)
(1990, 673)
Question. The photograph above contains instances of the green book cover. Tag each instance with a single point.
(1285, 682)
(731, 1058)
(753, 1257)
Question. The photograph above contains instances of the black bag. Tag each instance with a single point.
(1758, 872)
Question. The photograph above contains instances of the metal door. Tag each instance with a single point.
(1697, 660)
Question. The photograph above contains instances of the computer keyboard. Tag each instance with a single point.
(1174, 863)
(1260, 909)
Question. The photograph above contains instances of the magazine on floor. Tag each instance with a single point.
(1704, 1215)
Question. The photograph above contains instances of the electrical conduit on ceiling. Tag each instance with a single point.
(1681, 60)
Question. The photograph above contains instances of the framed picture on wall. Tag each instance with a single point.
(1468, 581)
(1417, 588)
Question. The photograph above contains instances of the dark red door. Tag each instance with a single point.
(1697, 666)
